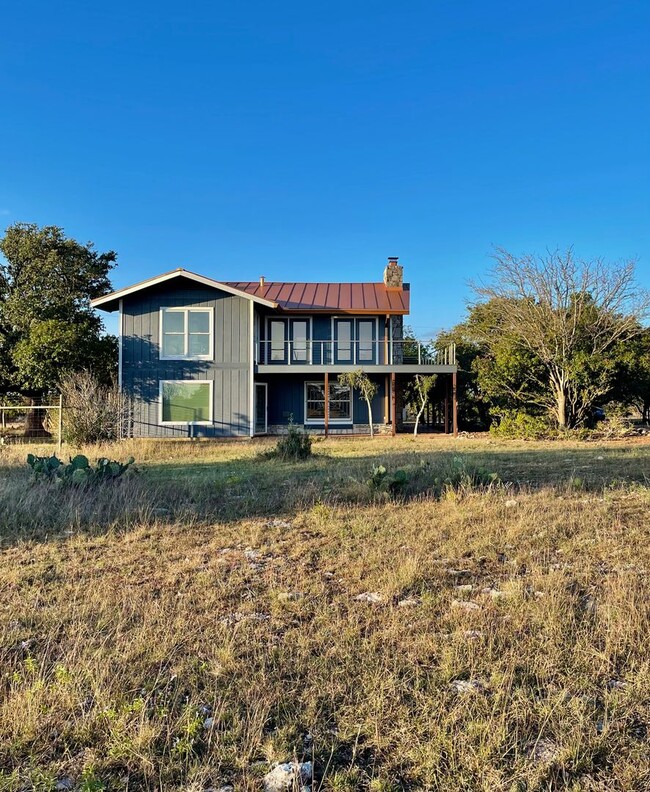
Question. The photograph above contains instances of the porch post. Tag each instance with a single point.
(454, 402)
(386, 400)
(446, 408)
(393, 403)
(327, 403)
(386, 330)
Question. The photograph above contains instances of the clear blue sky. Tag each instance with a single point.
(305, 140)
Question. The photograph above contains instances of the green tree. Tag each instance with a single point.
(366, 387)
(550, 326)
(473, 404)
(420, 394)
(632, 378)
(47, 325)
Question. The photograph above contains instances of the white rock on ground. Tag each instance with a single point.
(409, 602)
(369, 596)
(288, 776)
(464, 587)
(465, 605)
(467, 686)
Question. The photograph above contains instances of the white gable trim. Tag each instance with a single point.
(179, 273)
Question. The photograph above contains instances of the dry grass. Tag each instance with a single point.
(221, 585)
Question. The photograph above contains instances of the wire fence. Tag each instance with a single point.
(24, 424)
(32, 423)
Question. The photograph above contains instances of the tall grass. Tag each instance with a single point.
(199, 621)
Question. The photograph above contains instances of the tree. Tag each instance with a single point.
(473, 403)
(47, 325)
(632, 378)
(421, 394)
(559, 319)
(366, 387)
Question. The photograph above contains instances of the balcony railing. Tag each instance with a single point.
(352, 353)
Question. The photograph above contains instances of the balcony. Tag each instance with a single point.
(383, 356)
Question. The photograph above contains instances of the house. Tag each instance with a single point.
(201, 357)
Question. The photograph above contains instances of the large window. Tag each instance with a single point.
(185, 401)
(355, 340)
(288, 341)
(186, 334)
(340, 403)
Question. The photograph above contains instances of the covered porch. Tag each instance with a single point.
(317, 402)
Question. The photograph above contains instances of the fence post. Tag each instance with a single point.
(60, 433)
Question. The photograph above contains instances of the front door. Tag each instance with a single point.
(261, 411)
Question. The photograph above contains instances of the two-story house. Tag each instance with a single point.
(201, 357)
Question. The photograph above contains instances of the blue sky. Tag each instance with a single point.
(312, 140)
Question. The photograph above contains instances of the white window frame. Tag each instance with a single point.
(185, 310)
(161, 385)
(354, 341)
(319, 421)
(288, 342)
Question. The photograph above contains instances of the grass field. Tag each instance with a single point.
(482, 627)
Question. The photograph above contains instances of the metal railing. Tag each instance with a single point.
(345, 353)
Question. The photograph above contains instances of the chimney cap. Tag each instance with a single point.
(393, 259)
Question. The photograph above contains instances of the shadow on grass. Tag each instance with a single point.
(202, 493)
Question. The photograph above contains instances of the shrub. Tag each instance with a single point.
(294, 446)
(517, 424)
(93, 412)
(78, 470)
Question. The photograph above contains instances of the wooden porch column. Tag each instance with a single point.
(454, 402)
(386, 331)
(327, 403)
(446, 408)
(386, 400)
(393, 403)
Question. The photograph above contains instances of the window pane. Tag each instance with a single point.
(344, 338)
(338, 392)
(299, 346)
(315, 410)
(365, 340)
(173, 321)
(186, 402)
(315, 391)
(199, 345)
(199, 322)
(339, 410)
(173, 345)
(277, 340)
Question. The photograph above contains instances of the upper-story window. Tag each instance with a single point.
(186, 334)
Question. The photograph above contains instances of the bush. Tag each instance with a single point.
(294, 446)
(516, 424)
(78, 470)
(93, 412)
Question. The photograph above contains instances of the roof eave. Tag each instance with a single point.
(110, 302)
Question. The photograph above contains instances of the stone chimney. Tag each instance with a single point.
(393, 274)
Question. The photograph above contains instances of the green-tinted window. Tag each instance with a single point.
(186, 402)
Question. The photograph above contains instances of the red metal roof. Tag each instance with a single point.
(329, 297)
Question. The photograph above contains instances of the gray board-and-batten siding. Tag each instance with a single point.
(230, 368)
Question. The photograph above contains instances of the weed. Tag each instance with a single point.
(294, 446)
